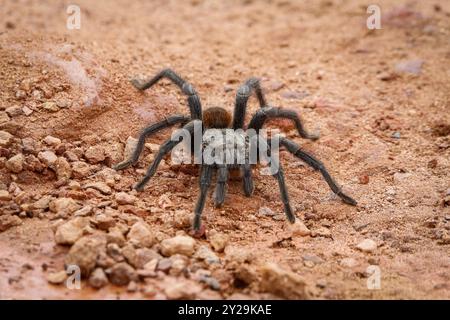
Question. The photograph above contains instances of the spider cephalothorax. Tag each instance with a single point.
(203, 123)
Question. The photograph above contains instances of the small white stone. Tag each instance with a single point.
(367, 245)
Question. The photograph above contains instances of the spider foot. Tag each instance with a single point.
(138, 84)
(139, 186)
(347, 199)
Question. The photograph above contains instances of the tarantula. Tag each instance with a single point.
(219, 118)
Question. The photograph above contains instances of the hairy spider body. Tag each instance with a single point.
(219, 121)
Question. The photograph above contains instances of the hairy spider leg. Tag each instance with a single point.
(296, 150)
(195, 105)
(222, 178)
(243, 94)
(148, 131)
(205, 182)
(263, 114)
(164, 149)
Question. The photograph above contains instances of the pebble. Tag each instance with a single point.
(179, 244)
(265, 211)
(4, 195)
(322, 232)
(124, 198)
(207, 255)
(95, 154)
(85, 211)
(239, 254)
(100, 186)
(80, 169)
(6, 139)
(141, 235)
(182, 219)
(15, 163)
(42, 203)
(182, 289)
(104, 222)
(410, 66)
(27, 111)
(129, 147)
(218, 241)
(298, 228)
(14, 111)
(52, 141)
(367, 245)
(63, 206)
(57, 277)
(62, 168)
(121, 274)
(84, 253)
(98, 278)
(348, 263)
(47, 157)
(50, 106)
(164, 265)
(69, 232)
(9, 221)
(283, 283)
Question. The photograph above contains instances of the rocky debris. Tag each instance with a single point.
(367, 245)
(69, 232)
(63, 206)
(182, 289)
(98, 278)
(47, 157)
(298, 229)
(178, 264)
(57, 277)
(218, 241)
(164, 265)
(52, 141)
(322, 232)
(30, 146)
(6, 139)
(27, 111)
(15, 163)
(121, 274)
(100, 186)
(95, 154)
(310, 260)
(4, 195)
(179, 244)
(84, 253)
(124, 198)
(80, 169)
(62, 168)
(283, 283)
(9, 221)
(141, 235)
(114, 235)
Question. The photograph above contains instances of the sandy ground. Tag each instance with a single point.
(380, 99)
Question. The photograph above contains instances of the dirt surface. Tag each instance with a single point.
(380, 99)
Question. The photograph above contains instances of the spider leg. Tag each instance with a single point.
(222, 178)
(205, 182)
(247, 179)
(279, 175)
(263, 114)
(164, 149)
(243, 94)
(170, 121)
(195, 105)
(295, 149)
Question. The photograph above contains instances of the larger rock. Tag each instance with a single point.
(179, 244)
(62, 168)
(69, 232)
(367, 245)
(6, 139)
(121, 274)
(95, 154)
(64, 206)
(8, 221)
(47, 157)
(141, 235)
(84, 253)
(15, 163)
(283, 283)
